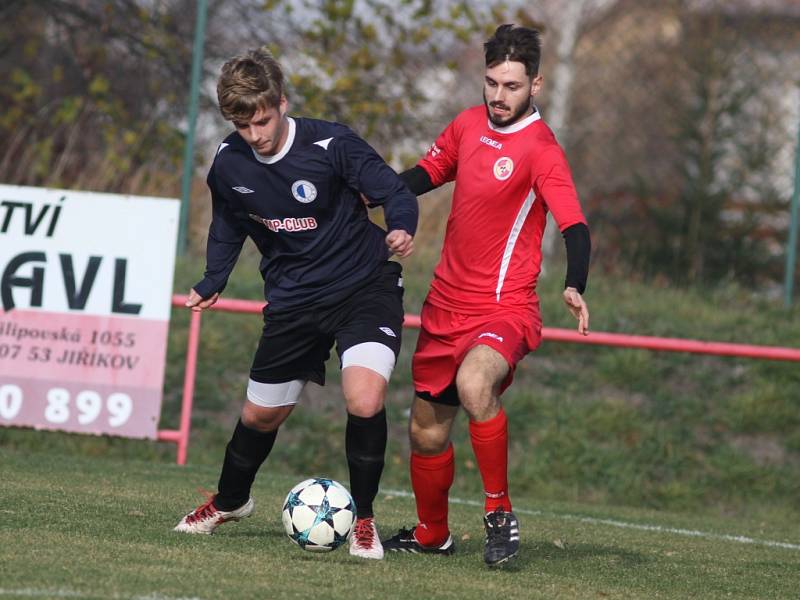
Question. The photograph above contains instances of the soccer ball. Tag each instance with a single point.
(318, 514)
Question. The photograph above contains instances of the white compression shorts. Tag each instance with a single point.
(371, 355)
(272, 395)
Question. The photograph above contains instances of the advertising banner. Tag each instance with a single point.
(85, 291)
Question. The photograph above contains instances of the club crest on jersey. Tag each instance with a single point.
(503, 168)
(304, 191)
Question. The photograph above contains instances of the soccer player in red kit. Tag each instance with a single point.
(481, 315)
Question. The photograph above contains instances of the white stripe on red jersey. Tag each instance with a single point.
(507, 178)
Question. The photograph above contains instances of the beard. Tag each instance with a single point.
(515, 116)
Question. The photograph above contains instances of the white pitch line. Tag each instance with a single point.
(740, 539)
(63, 593)
(31, 593)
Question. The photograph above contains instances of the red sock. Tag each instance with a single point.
(431, 478)
(490, 444)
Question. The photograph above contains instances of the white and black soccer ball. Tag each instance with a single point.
(318, 514)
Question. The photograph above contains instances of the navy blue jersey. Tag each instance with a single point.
(302, 209)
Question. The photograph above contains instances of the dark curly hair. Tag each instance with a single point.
(520, 44)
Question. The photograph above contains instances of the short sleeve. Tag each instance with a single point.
(552, 180)
(441, 160)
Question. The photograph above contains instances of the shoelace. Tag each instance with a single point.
(205, 511)
(364, 533)
(498, 526)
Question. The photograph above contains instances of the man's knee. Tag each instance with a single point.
(429, 427)
(479, 380)
(475, 388)
(365, 407)
(264, 419)
(479, 397)
(364, 391)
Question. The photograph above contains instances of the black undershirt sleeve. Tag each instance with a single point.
(417, 180)
(579, 249)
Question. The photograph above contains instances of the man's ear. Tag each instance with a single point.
(536, 85)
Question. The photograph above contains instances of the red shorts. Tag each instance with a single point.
(446, 337)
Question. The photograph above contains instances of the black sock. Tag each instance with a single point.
(245, 453)
(365, 445)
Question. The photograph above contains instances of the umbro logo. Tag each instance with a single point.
(243, 190)
(388, 331)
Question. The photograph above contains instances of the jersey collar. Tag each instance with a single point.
(519, 125)
(269, 160)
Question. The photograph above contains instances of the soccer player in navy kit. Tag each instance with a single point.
(293, 186)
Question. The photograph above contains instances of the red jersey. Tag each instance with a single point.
(507, 178)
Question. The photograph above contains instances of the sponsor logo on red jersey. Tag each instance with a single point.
(490, 142)
(434, 150)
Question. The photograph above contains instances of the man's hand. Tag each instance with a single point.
(197, 303)
(400, 242)
(577, 306)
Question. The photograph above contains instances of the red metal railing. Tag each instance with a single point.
(180, 436)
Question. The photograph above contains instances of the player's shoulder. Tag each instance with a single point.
(472, 116)
(542, 146)
(232, 150)
(548, 146)
(319, 132)
(234, 142)
(539, 136)
(232, 147)
(469, 119)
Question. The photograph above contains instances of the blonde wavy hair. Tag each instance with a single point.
(247, 83)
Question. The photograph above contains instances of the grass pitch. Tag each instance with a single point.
(77, 527)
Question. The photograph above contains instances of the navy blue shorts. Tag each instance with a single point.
(296, 343)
